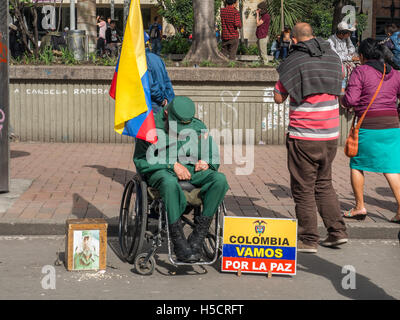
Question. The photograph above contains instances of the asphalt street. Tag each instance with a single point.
(26, 261)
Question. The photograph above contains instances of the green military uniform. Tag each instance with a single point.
(156, 162)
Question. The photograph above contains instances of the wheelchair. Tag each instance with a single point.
(143, 217)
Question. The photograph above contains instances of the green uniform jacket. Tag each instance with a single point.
(171, 148)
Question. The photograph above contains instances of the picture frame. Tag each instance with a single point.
(86, 244)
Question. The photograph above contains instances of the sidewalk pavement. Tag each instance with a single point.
(53, 182)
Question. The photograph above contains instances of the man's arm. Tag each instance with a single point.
(169, 93)
(351, 49)
(155, 89)
(280, 93)
(259, 21)
(238, 22)
(141, 161)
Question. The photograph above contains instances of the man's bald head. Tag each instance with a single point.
(302, 31)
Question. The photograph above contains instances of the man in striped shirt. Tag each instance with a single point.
(311, 76)
(230, 22)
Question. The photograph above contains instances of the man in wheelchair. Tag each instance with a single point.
(184, 152)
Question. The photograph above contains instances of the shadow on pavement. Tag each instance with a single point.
(18, 154)
(384, 191)
(121, 176)
(280, 191)
(262, 211)
(84, 209)
(365, 288)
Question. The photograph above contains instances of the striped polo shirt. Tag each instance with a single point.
(315, 118)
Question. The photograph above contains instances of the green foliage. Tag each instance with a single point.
(207, 63)
(175, 45)
(255, 64)
(179, 13)
(320, 17)
(250, 50)
(293, 10)
(46, 55)
(108, 61)
(362, 22)
(67, 57)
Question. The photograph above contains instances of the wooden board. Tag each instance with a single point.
(86, 244)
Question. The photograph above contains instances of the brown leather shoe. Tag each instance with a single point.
(331, 241)
(307, 248)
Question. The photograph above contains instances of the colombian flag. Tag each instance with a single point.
(130, 86)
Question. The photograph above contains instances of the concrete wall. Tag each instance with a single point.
(71, 104)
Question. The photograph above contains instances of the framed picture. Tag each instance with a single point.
(86, 244)
(86, 249)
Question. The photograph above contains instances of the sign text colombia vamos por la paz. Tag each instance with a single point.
(259, 245)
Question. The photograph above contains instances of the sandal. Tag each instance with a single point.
(359, 216)
(395, 219)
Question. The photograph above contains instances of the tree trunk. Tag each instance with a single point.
(86, 20)
(337, 13)
(204, 46)
(35, 40)
(18, 7)
(59, 15)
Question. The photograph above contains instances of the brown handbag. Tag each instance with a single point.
(351, 147)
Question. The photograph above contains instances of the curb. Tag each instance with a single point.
(378, 231)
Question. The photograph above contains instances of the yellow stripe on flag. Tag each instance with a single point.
(130, 98)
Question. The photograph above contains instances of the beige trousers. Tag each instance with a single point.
(262, 47)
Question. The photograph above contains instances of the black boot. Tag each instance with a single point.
(182, 249)
(196, 238)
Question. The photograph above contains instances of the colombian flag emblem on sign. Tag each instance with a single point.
(259, 245)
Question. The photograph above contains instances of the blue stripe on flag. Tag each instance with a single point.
(132, 126)
(261, 252)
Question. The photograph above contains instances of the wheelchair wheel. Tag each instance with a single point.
(209, 245)
(142, 267)
(132, 219)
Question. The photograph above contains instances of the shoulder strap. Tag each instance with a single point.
(373, 98)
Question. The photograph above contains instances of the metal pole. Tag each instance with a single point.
(127, 4)
(112, 9)
(4, 99)
(282, 17)
(72, 15)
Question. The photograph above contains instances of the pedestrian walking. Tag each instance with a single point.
(155, 32)
(379, 135)
(230, 22)
(263, 20)
(311, 76)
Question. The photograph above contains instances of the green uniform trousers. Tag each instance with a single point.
(213, 186)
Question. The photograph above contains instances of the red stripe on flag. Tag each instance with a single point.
(147, 130)
(113, 87)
